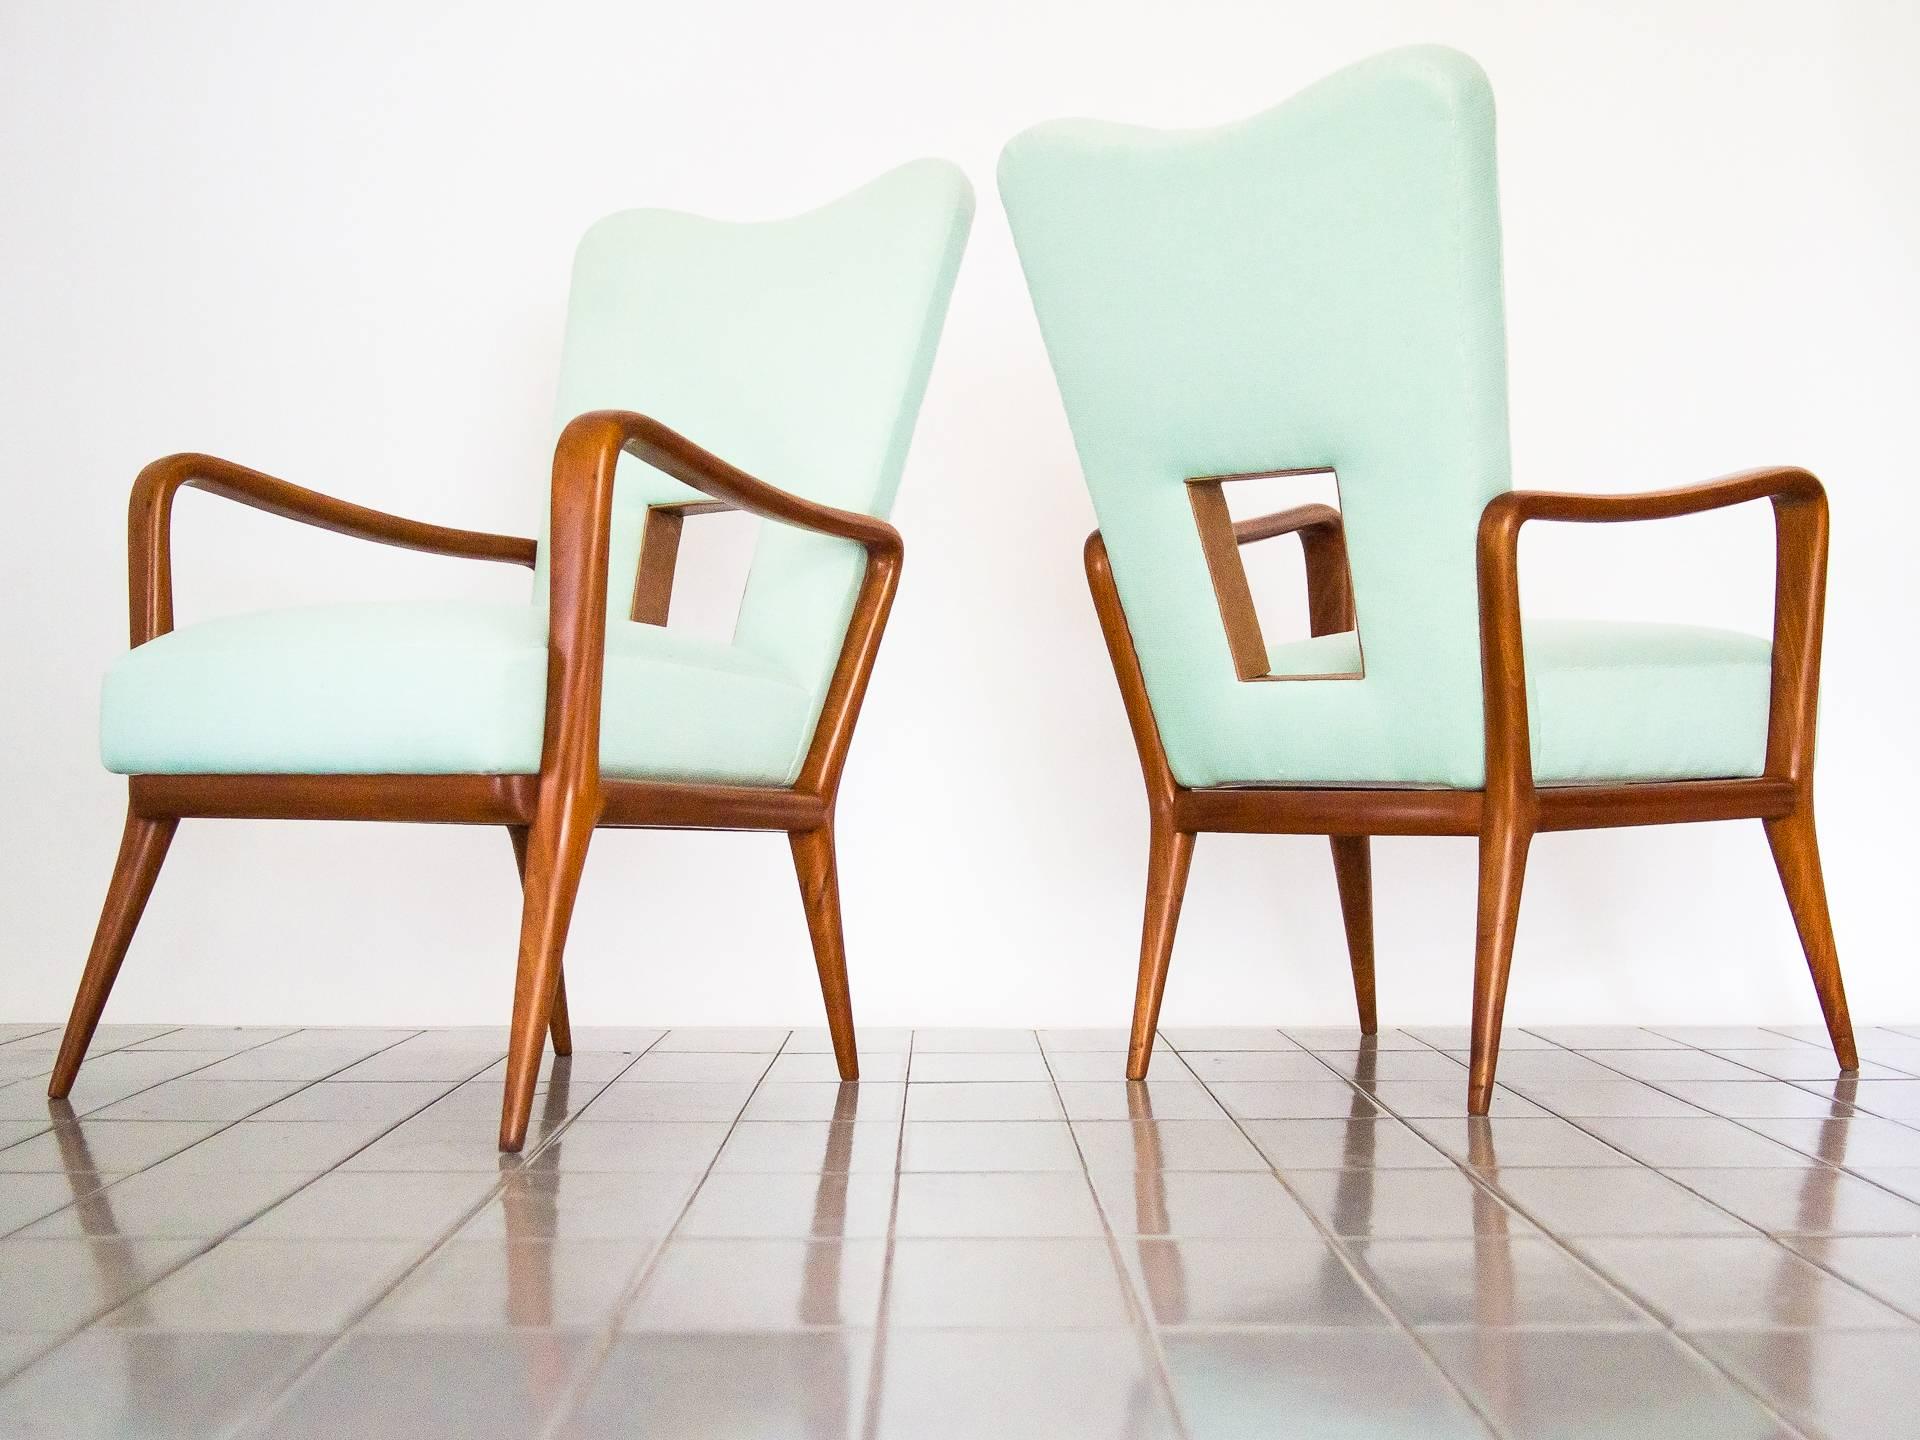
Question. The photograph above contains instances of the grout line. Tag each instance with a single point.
(882, 1326)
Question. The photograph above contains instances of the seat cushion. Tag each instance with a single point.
(1606, 700)
(438, 688)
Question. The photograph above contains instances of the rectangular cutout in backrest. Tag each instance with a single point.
(1269, 592)
(693, 566)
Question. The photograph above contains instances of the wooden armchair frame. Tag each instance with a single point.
(1510, 810)
(550, 816)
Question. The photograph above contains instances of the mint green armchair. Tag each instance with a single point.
(1317, 289)
(798, 350)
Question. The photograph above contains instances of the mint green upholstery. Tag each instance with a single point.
(1320, 286)
(796, 349)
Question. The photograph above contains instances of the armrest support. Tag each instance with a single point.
(584, 463)
(1800, 583)
(150, 528)
(1323, 546)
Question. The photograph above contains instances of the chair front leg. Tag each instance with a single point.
(556, 854)
(819, 875)
(1353, 873)
(1505, 837)
(1796, 854)
(561, 1027)
(143, 846)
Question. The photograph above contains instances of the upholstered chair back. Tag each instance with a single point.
(1318, 286)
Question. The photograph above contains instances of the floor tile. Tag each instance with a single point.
(1367, 1068)
(1097, 1038)
(120, 1384)
(1212, 1065)
(960, 1065)
(305, 1146)
(1199, 1204)
(1382, 1144)
(962, 1039)
(434, 1385)
(1226, 1037)
(820, 1068)
(103, 1146)
(1816, 1200)
(1885, 1266)
(711, 1100)
(270, 1287)
(842, 1104)
(1702, 1142)
(1046, 1385)
(762, 1040)
(994, 1206)
(825, 1207)
(986, 1100)
(1216, 1284)
(407, 1061)
(1864, 1140)
(1324, 1038)
(1758, 1099)
(1612, 1202)
(200, 1100)
(1902, 1180)
(813, 1147)
(1167, 1145)
(700, 1065)
(372, 1207)
(1493, 1281)
(732, 1286)
(214, 1037)
(1552, 1065)
(1520, 1142)
(1836, 1387)
(1350, 1384)
(160, 1204)
(1660, 1066)
(1138, 1100)
(582, 1068)
(1020, 1284)
(1603, 1037)
(1891, 1099)
(1444, 1099)
(515, 1284)
(1733, 1283)
(271, 1062)
(624, 1039)
(1403, 1204)
(1067, 1065)
(386, 1101)
(797, 1385)
(872, 1039)
(990, 1145)
(367, 1039)
(681, 1147)
(1554, 1384)
(1807, 1063)
(1727, 1037)
(1294, 1100)
(62, 1284)
(1583, 1099)
(581, 1205)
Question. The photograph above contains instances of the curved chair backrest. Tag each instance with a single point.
(1318, 286)
(796, 350)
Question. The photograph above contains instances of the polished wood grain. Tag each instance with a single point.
(550, 815)
(1511, 809)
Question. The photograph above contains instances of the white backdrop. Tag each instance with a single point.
(332, 242)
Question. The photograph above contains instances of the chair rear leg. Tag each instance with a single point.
(1796, 854)
(814, 864)
(143, 846)
(1169, 856)
(1353, 872)
(561, 1025)
(556, 853)
(1503, 862)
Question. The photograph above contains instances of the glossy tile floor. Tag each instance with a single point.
(1694, 1232)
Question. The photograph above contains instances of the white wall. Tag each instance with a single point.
(331, 241)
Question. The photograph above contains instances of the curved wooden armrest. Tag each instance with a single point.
(1291, 521)
(150, 528)
(584, 463)
(1800, 586)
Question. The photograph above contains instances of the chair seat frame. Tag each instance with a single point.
(1511, 809)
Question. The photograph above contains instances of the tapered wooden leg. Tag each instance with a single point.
(1353, 872)
(143, 846)
(1503, 862)
(813, 862)
(561, 1026)
(556, 852)
(1796, 854)
(1169, 855)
